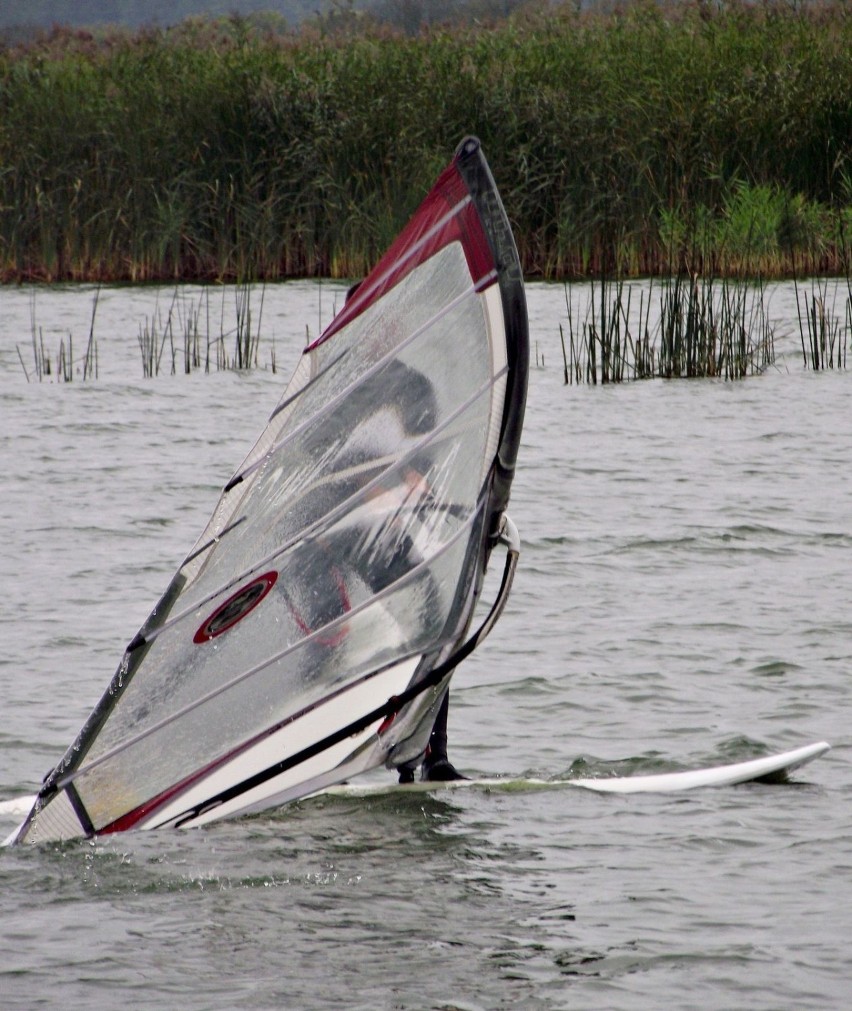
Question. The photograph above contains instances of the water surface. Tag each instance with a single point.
(684, 599)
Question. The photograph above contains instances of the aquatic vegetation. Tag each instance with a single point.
(823, 331)
(61, 369)
(702, 327)
(187, 337)
(713, 329)
(199, 329)
(633, 142)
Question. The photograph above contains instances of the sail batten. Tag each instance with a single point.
(343, 562)
(364, 377)
(388, 464)
(324, 630)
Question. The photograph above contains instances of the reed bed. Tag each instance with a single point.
(61, 368)
(190, 333)
(183, 336)
(218, 150)
(703, 328)
(824, 332)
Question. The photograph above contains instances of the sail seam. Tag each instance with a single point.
(275, 658)
(324, 522)
(366, 375)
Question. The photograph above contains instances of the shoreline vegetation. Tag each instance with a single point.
(650, 139)
(189, 333)
(614, 331)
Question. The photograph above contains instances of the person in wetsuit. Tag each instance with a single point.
(417, 412)
(396, 397)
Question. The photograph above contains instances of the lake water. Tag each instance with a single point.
(684, 599)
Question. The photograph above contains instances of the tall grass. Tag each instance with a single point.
(823, 331)
(214, 151)
(703, 328)
(714, 329)
(60, 368)
(184, 338)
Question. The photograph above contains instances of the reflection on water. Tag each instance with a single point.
(684, 598)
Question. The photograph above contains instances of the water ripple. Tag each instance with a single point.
(683, 600)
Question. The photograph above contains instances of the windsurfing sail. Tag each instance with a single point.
(311, 632)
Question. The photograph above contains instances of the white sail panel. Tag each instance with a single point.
(422, 501)
(409, 621)
(345, 555)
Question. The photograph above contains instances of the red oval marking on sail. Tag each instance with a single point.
(236, 607)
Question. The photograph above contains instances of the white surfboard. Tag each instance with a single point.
(666, 782)
(722, 775)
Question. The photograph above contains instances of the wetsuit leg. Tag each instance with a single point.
(438, 737)
(436, 750)
(436, 766)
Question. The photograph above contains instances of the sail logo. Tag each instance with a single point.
(235, 608)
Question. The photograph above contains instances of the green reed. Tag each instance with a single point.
(219, 151)
(184, 334)
(61, 369)
(602, 348)
(823, 332)
(44, 368)
(704, 328)
(711, 328)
